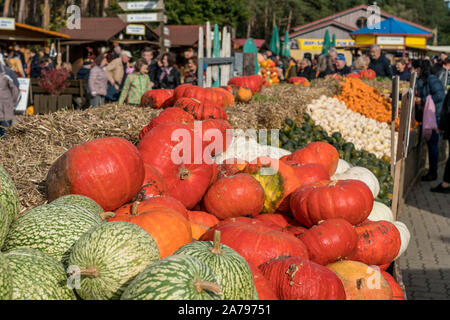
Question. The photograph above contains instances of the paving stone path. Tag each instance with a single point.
(426, 264)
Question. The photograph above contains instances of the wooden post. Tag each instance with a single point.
(200, 57)
(395, 100)
(67, 53)
(208, 54)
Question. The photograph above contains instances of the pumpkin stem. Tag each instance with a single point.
(184, 173)
(134, 208)
(216, 248)
(105, 215)
(333, 183)
(206, 285)
(90, 272)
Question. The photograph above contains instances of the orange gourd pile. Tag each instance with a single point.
(364, 99)
(269, 72)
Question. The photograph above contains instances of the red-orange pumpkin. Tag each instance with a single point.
(169, 228)
(216, 135)
(153, 185)
(308, 173)
(235, 196)
(317, 153)
(201, 110)
(351, 200)
(296, 278)
(263, 287)
(228, 98)
(155, 202)
(368, 74)
(378, 243)
(231, 167)
(107, 170)
(256, 242)
(201, 222)
(397, 292)
(254, 83)
(156, 98)
(331, 240)
(282, 223)
(169, 115)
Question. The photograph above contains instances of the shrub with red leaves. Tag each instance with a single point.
(54, 81)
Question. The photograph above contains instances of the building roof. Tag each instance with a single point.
(321, 25)
(25, 32)
(241, 42)
(345, 12)
(182, 35)
(392, 27)
(96, 29)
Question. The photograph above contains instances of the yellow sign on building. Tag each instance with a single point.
(316, 44)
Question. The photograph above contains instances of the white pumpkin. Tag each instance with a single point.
(405, 237)
(362, 174)
(381, 212)
(343, 166)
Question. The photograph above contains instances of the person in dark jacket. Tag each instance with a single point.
(83, 73)
(379, 63)
(35, 65)
(429, 84)
(444, 127)
(400, 70)
(168, 76)
(341, 66)
(305, 70)
(325, 67)
(149, 55)
(191, 73)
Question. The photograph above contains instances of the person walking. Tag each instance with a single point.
(168, 75)
(116, 72)
(98, 82)
(136, 84)
(379, 63)
(429, 86)
(9, 96)
(444, 127)
(34, 65)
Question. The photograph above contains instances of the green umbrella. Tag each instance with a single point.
(275, 42)
(216, 54)
(286, 50)
(326, 43)
(333, 41)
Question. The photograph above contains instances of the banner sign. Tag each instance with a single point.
(24, 87)
(136, 29)
(7, 24)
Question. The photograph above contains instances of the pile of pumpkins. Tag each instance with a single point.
(269, 72)
(210, 100)
(162, 221)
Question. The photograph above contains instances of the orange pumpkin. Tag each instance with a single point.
(170, 229)
(361, 282)
(201, 222)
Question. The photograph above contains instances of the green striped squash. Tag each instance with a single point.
(79, 200)
(9, 197)
(177, 277)
(84, 202)
(4, 224)
(51, 229)
(109, 257)
(5, 279)
(232, 271)
(37, 276)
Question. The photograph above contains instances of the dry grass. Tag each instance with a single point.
(35, 142)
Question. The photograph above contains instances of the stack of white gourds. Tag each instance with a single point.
(365, 133)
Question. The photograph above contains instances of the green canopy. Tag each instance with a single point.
(333, 41)
(326, 43)
(216, 54)
(275, 42)
(286, 49)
